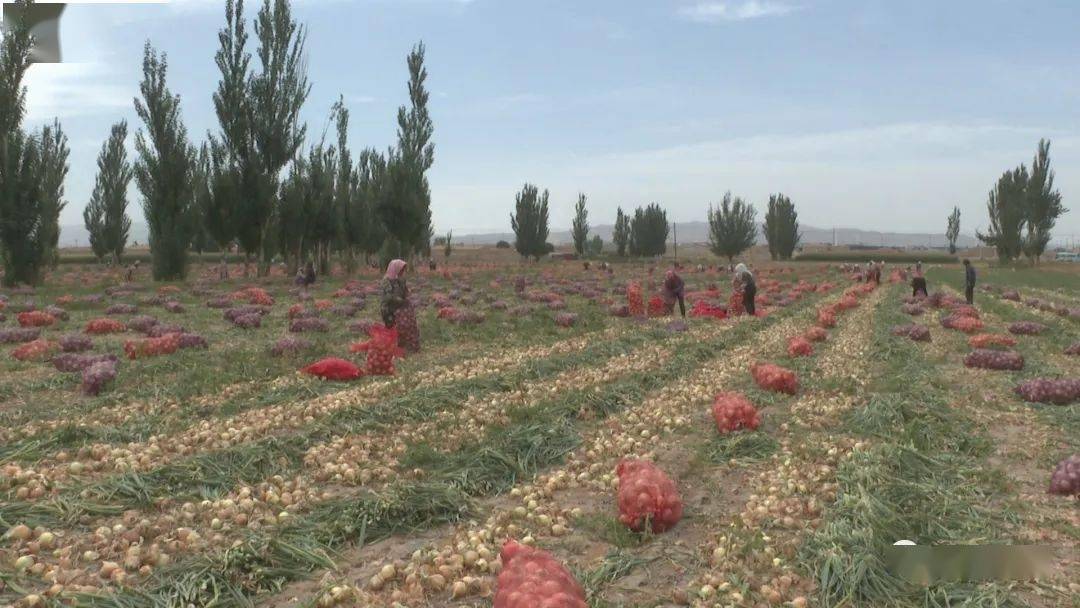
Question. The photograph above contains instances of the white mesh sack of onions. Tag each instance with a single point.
(1045, 390)
(994, 359)
(1065, 481)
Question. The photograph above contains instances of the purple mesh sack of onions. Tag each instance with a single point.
(76, 362)
(566, 319)
(994, 359)
(914, 331)
(1065, 480)
(308, 324)
(219, 302)
(362, 327)
(912, 309)
(97, 376)
(142, 323)
(192, 341)
(1073, 349)
(162, 329)
(121, 309)
(1046, 390)
(174, 306)
(75, 343)
(289, 345)
(248, 321)
(57, 312)
(1026, 328)
(16, 335)
(1012, 295)
(499, 305)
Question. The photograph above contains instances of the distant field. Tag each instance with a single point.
(896, 257)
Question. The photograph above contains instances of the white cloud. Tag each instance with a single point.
(713, 12)
(75, 89)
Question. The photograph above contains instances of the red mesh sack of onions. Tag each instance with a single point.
(847, 302)
(1073, 349)
(38, 350)
(733, 411)
(816, 334)
(1046, 390)
(407, 328)
(635, 300)
(35, 318)
(826, 317)
(994, 359)
(333, 368)
(658, 307)
(152, 347)
(735, 305)
(619, 310)
(965, 310)
(1026, 328)
(772, 377)
(968, 325)
(104, 326)
(991, 341)
(533, 578)
(381, 349)
(647, 494)
(704, 309)
(799, 346)
(1065, 480)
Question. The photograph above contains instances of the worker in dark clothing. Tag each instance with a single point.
(969, 282)
(918, 282)
(395, 293)
(749, 288)
(675, 289)
(309, 274)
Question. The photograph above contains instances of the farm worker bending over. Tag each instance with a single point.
(918, 282)
(745, 278)
(395, 294)
(675, 289)
(969, 282)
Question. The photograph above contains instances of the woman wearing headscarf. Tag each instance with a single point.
(397, 311)
(918, 282)
(745, 279)
(395, 293)
(675, 289)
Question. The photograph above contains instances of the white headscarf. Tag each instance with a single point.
(741, 269)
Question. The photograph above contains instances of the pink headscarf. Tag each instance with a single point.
(670, 273)
(395, 268)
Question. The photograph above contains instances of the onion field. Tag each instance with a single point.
(160, 445)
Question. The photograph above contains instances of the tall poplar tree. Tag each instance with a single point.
(163, 171)
(106, 215)
(732, 228)
(580, 230)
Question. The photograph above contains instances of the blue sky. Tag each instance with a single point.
(873, 114)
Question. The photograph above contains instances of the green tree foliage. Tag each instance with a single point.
(530, 222)
(952, 230)
(781, 227)
(732, 228)
(621, 233)
(106, 215)
(649, 231)
(1043, 204)
(54, 169)
(163, 171)
(32, 170)
(371, 178)
(276, 94)
(502, 245)
(448, 246)
(306, 225)
(405, 206)
(596, 245)
(1007, 210)
(580, 229)
(350, 222)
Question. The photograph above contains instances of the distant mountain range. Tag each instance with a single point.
(688, 232)
(698, 232)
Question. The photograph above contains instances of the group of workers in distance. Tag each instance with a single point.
(395, 291)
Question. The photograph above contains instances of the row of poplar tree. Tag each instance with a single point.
(732, 227)
(252, 184)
